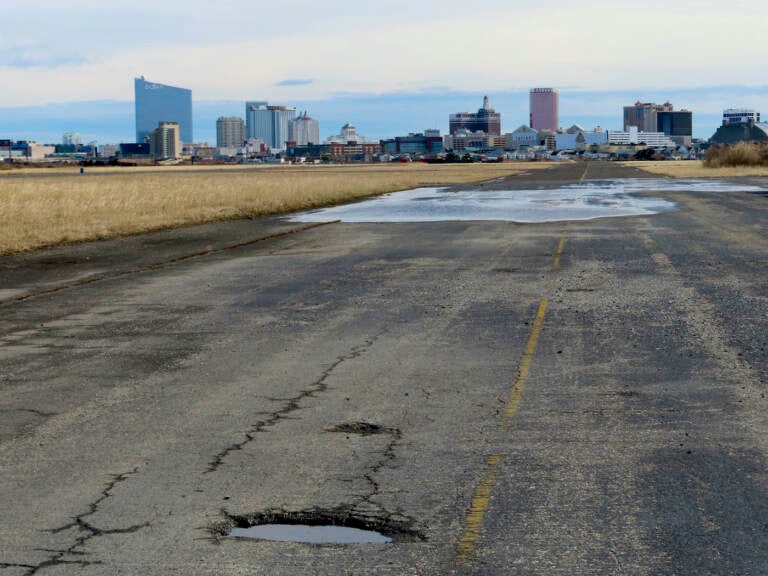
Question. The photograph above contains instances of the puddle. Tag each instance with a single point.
(580, 201)
(311, 534)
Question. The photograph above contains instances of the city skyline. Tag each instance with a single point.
(380, 116)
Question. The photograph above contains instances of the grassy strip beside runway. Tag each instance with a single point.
(696, 169)
(49, 208)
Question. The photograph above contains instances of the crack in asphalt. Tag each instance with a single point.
(388, 456)
(293, 404)
(39, 413)
(88, 530)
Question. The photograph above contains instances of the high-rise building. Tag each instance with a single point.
(157, 103)
(486, 119)
(165, 141)
(651, 117)
(645, 115)
(250, 116)
(270, 123)
(544, 108)
(677, 124)
(230, 132)
(304, 130)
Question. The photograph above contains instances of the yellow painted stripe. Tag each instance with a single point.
(473, 524)
(525, 362)
(583, 176)
(560, 248)
(661, 259)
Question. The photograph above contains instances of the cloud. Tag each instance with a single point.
(295, 82)
(434, 50)
(39, 56)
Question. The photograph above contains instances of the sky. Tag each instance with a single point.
(390, 67)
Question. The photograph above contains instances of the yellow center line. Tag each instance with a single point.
(583, 176)
(560, 248)
(465, 550)
(473, 523)
(558, 255)
(516, 395)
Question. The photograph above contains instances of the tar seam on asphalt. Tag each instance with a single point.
(163, 263)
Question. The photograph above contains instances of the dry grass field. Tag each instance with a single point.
(696, 169)
(44, 207)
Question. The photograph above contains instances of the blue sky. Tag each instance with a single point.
(390, 67)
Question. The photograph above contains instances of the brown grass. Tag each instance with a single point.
(739, 154)
(53, 206)
(696, 169)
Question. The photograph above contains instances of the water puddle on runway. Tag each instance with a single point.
(311, 534)
(579, 201)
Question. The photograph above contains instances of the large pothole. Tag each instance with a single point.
(317, 526)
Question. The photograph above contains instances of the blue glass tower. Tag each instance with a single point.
(160, 103)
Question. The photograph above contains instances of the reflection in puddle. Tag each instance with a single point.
(581, 201)
(310, 534)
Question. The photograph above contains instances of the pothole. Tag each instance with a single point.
(338, 526)
(362, 428)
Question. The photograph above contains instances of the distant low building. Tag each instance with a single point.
(465, 140)
(24, 150)
(580, 139)
(355, 151)
(203, 153)
(420, 144)
(135, 150)
(349, 146)
(635, 137)
(348, 133)
(309, 151)
(108, 150)
(523, 137)
(740, 125)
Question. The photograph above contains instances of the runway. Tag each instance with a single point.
(569, 397)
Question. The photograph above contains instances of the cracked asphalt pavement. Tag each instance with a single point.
(579, 398)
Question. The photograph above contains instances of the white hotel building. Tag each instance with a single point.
(633, 136)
